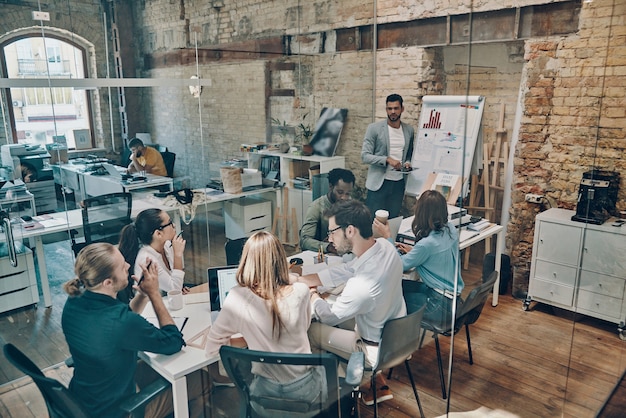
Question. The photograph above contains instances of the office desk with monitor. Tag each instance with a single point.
(86, 183)
(485, 234)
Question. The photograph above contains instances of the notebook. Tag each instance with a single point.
(221, 280)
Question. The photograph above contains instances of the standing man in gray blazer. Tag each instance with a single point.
(388, 149)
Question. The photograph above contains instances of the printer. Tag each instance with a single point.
(22, 158)
(30, 163)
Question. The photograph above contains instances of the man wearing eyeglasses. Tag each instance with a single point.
(315, 225)
(372, 294)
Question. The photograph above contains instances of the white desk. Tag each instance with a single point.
(73, 220)
(494, 229)
(176, 367)
(65, 221)
(85, 184)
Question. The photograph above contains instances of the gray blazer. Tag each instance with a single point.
(376, 150)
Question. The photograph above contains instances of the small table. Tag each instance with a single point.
(175, 368)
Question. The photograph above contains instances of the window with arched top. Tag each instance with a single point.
(40, 112)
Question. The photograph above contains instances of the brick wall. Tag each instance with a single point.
(570, 89)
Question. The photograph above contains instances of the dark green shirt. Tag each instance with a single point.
(104, 336)
(315, 227)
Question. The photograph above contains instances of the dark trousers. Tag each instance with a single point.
(388, 197)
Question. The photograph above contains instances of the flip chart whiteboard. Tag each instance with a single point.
(445, 139)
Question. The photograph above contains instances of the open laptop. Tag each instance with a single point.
(112, 170)
(221, 280)
(394, 227)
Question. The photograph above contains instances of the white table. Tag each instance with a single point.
(64, 222)
(494, 229)
(175, 367)
(86, 184)
(72, 219)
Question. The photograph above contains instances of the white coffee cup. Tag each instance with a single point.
(382, 215)
(175, 299)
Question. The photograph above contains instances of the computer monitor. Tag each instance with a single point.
(221, 280)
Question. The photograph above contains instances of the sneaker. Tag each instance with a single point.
(383, 393)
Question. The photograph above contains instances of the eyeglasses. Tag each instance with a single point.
(330, 231)
(162, 227)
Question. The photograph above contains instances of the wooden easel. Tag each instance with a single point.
(486, 200)
(281, 220)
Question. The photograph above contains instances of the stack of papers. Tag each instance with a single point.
(480, 225)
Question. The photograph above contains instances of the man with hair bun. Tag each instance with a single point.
(104, 334)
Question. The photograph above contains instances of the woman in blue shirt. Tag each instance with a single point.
(435, 257)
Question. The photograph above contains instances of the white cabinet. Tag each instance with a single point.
(580, 267)
(292, 166)
(245, 216)
(18, 285)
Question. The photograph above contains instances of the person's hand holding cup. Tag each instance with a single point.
(380, 227)
(382, 216)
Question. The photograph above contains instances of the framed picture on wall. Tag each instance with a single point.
(82, 138)
(328, 130)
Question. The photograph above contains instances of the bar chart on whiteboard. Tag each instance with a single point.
(445, 142)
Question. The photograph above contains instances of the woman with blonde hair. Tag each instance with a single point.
(272, 315)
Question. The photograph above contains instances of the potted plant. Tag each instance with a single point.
(283, 129)
(304, 133)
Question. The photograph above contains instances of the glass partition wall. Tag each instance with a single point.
(222, 85)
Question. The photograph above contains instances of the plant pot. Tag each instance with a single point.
(307, 149)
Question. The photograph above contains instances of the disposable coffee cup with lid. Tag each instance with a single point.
(382, 215)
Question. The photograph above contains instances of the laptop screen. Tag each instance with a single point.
(221, 280)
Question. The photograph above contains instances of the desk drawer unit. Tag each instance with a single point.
(246, 216)
(18, 285)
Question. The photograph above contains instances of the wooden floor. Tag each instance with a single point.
(540, 363)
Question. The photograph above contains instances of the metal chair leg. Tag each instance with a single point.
(417, 398)
(469, 345)
(440, 366)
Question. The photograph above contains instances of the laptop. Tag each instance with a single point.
(112, 170)
(221, 280)
(394, 227)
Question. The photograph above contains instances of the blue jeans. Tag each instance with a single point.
(438, 307)
(310, 389)
(389, 197)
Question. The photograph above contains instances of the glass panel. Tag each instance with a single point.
(555, 102)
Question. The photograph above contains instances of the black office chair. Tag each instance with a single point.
(467, 313)
(61, 403)
(399, 340)
(234, 249)
(341, 393)
(169, 158)
(103, 219)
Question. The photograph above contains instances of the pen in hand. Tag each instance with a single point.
(142, 276)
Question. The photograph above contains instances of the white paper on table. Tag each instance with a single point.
(201, 297)
(53, 222)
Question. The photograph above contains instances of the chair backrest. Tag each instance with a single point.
(169, 158)
(258, 394)
(234, 249)
(59, 400)
(105, 216)
(473, 304)
(400, 338)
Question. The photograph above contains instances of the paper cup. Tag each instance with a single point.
(382, 216)
(175, 299)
